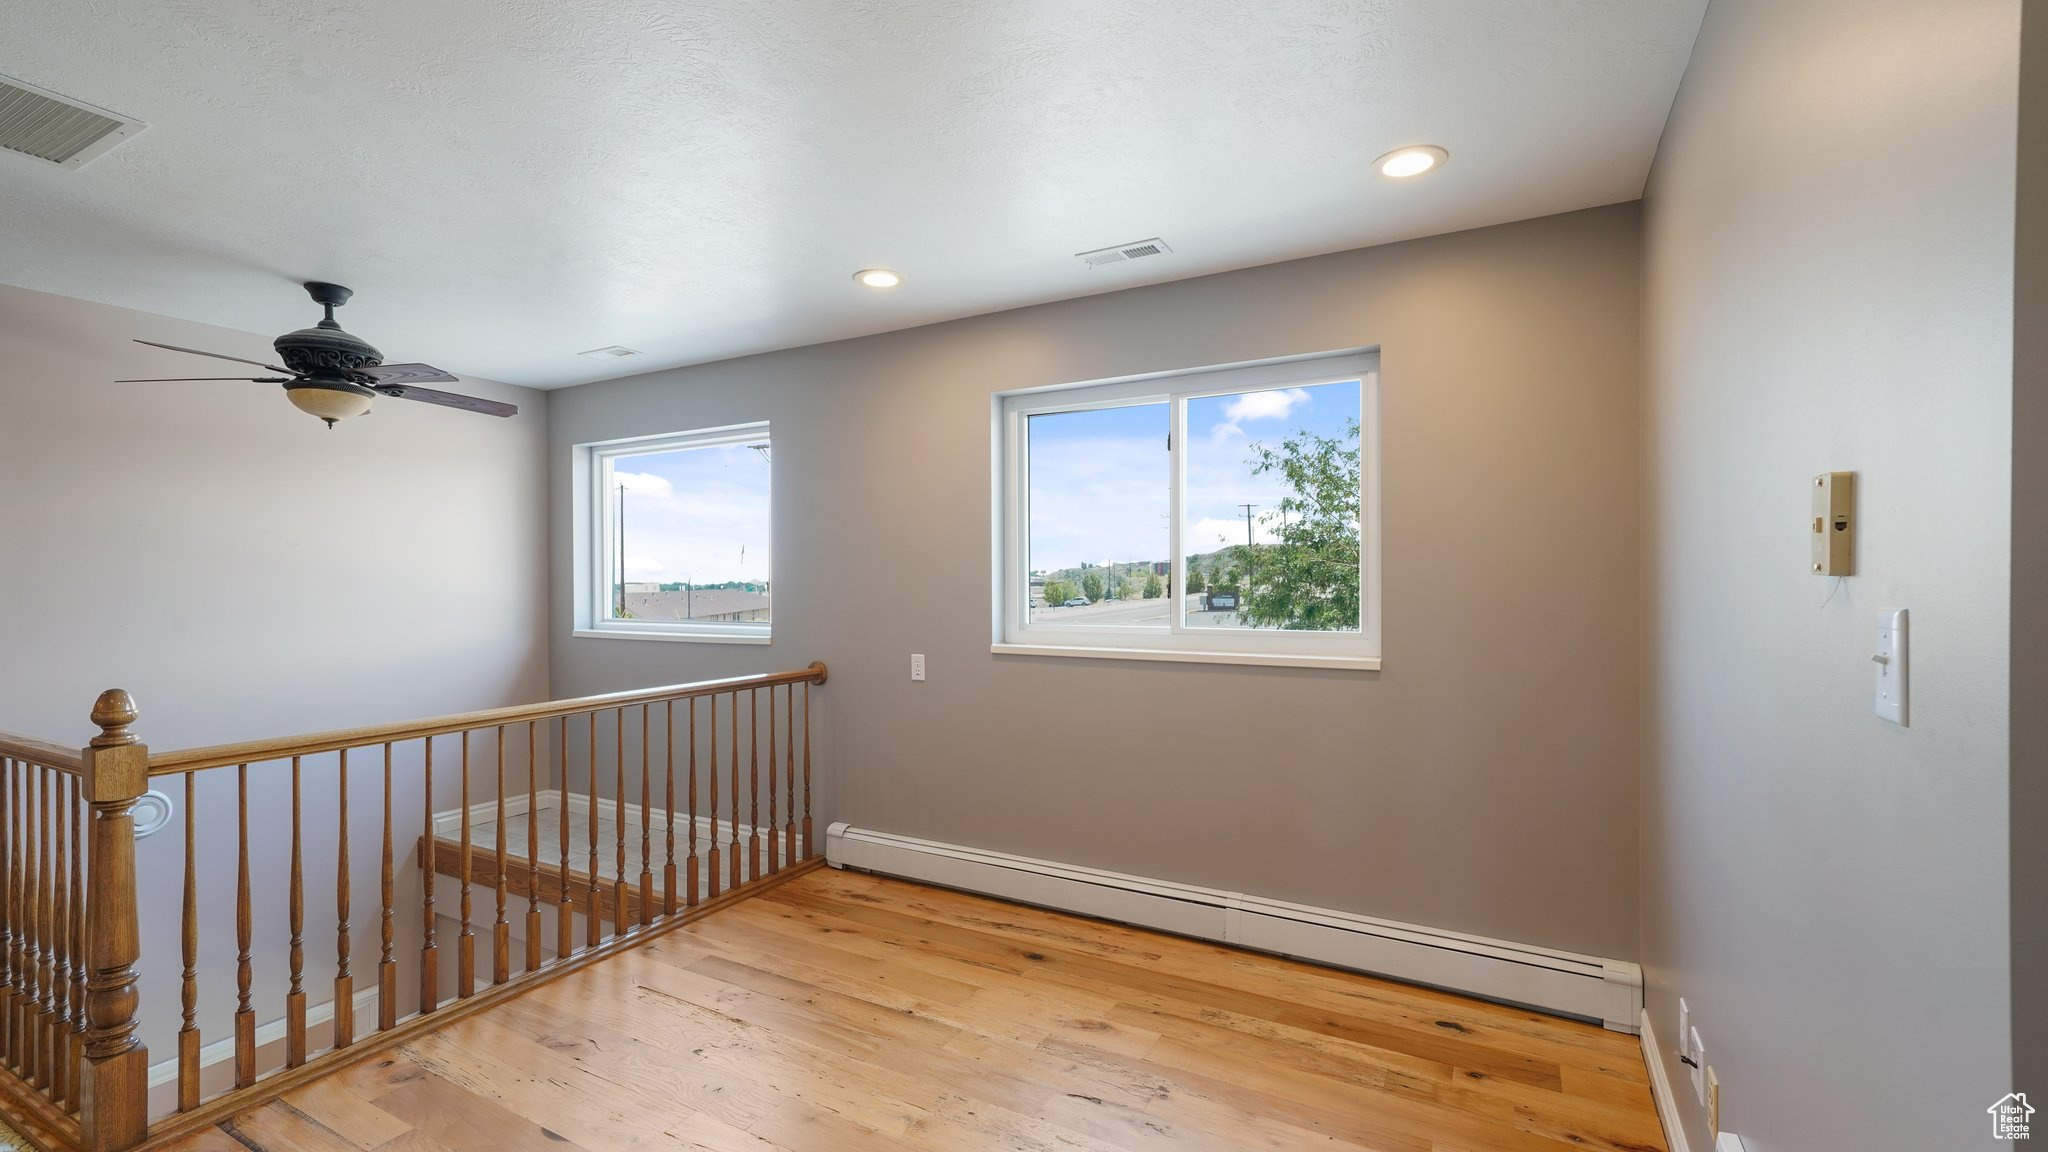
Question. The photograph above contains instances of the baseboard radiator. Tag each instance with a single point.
(1609, 992)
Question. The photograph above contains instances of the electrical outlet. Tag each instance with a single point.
(1684, 1028)
(1699, 1066)
(1713, 1102)
(917, 665)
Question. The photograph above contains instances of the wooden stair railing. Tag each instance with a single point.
(75, 1075)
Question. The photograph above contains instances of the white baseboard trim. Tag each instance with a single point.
(216, 1060)
(1565, 983)
(1660, 1089)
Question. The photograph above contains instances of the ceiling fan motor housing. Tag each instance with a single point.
(325, 356)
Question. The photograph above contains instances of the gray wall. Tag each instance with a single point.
(1828, 279)
(1484, 782)
(2030, 573)
(245, 572)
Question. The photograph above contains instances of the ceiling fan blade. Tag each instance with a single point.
(447, 399)
(215, 355)
(408, 374)
(177, 379)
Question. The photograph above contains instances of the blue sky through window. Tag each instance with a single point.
(1099, 478)
(694, 514)
(1098, 486)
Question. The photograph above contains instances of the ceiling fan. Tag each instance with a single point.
(333, 374)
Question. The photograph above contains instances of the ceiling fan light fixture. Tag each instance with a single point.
(332, 374)
(330, 402)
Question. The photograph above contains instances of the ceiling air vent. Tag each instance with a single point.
(40, 123)
(1117, 254)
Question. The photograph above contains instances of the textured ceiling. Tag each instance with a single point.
(508, 182)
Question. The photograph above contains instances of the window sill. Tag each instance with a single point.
(1171, 655)
(687, 637)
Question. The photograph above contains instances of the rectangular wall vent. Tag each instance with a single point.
(1119, 253)
(68, 133)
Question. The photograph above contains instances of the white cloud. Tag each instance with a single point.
(1274, 404)
(706, 532)
(641, 566)
(644, 484)
(1210, 533)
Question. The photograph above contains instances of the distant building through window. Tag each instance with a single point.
(679, 535)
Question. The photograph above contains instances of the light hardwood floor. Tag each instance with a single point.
(846, 1013)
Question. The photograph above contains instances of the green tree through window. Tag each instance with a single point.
(1308, 578)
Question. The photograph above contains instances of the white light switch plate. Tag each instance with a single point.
(1699, 1068)
(1890, 657)
(917, 665)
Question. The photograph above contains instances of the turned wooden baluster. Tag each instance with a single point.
(593, 923)
(619, 886)
(24, 1008)
(38, 923)
(646, 813)
(245, 1011)
(754, 782)
(10, 919)
(565, 908)
(668, 874)
(465, 941)
(810, 848)
(774, 839)
(56, 920)
(501, 928)
(387, 962)
(787, 830)
(60, 968)
(532, 848)
(344, 974)
(295, 994)
(74, 1049)
(711, 856)
(22, 1052)
(734, 862)
(188, 1028)
(430, 952)
(690, 861)
(114, 1094)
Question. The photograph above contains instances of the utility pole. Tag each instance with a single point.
(622, 553)
(1247, 548)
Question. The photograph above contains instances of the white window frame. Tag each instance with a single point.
(1015, 633)
(596, 537)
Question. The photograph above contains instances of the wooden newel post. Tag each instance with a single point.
(114, 1111)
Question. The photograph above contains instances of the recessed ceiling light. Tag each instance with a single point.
(610, 352)
(1411, 161)
(878, 277)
